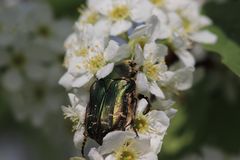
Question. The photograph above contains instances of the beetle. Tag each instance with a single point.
(112, 106)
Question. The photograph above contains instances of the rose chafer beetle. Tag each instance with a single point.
(112, 106)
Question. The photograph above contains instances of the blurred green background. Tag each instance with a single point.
(208, 114)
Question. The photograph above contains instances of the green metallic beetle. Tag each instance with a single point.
(112, 106)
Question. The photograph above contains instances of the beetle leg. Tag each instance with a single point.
(131, 110)
(84, 142)
(133, 117)
(135, 130)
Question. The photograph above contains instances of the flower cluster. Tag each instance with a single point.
(30, 64)
(158, 36)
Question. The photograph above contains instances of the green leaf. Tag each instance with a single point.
(228, 49)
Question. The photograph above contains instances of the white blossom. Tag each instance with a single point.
(145, 34)
(121, 145)
(153, 124)
(121, 13)
(153, 68)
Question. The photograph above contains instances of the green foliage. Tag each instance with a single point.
(229, 50)
(225, 15)
(63, 8)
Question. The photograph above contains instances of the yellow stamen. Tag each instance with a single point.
(141, 124)
(158, 3)
(119, 13)
(125, 152)
(92, 18)
(186, 24)
(138, 41)
(151, 70)
(82, 52)
(95, 63)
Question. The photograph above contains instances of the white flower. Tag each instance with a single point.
(152, 61)
(121, 13)
(181, 79)
(118, 145)
(147, 32)
(89, 15)
(75, 112)
(150, 31)
(79, 138)
(99, 62)
(188, 22)
(100, 26)
(78, 43)
(153, 124)
(165, 106)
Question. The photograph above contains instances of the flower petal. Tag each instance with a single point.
(120, 27)
(139, 58)
(183, 78)
(138, 7)
(110, 157)
(78, 138)
(204, 37)
(142, 105)
(75, 66)
(113, 140)
(171, 112)
(159, 121)
(73, 99)
(81, 81)
(94, 155)
(142, 144)
(66, 80)
(155, 51)
(156, 143)
(111, 50)
(162, 105)
(105, 71)
(155, 90)
(142, 83)
(186, 57)
(121, 53)
(149, 156)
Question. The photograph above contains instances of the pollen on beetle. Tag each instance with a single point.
(95, 63)
(141, 124)
(119, 13)
(126, 152)
(158, 3)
